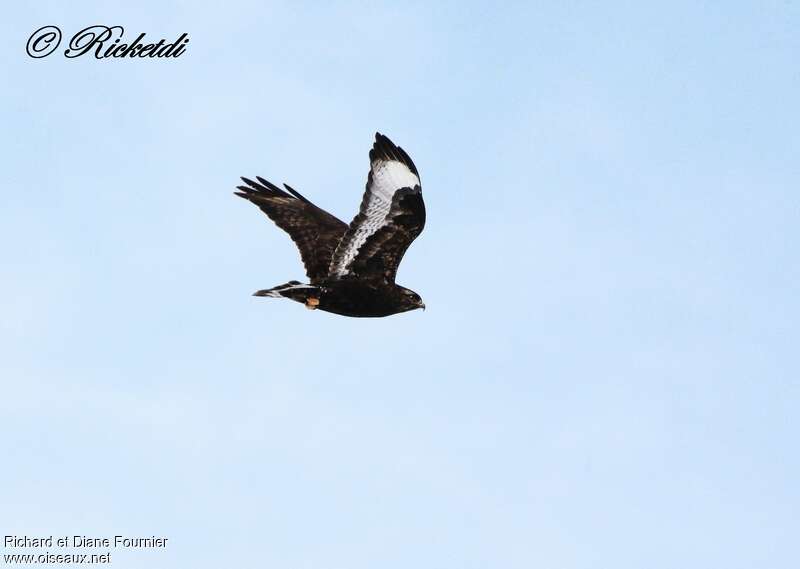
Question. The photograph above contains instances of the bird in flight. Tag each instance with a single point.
(352, 268)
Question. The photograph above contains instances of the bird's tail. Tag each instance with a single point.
(293, 289)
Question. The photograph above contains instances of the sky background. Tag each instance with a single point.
(607, 372)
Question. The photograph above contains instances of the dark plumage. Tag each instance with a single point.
(352, 268)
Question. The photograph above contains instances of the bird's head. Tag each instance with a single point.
(410, 300)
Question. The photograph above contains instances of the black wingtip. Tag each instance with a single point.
(251, 183)
(295, 193)
(385, 149)
(263, 188)
(383, 141)
(270, 186)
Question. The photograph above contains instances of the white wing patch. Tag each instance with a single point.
(386, 178)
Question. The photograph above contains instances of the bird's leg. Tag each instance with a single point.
(312, 303)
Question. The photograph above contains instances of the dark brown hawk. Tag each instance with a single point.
(352, 268)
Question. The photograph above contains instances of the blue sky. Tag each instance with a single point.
(606, 375)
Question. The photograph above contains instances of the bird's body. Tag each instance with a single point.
(352, 268)
(348, 297)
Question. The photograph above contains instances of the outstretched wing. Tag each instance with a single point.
(315, 232)
(392, 214)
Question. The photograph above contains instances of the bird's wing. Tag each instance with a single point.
(392, 214)
(315, 232)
